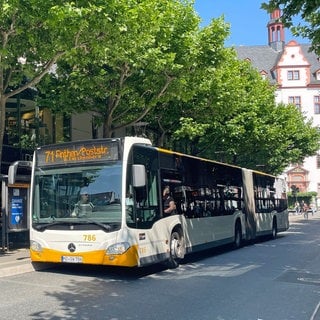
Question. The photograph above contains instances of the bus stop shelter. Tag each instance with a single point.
(15, 192)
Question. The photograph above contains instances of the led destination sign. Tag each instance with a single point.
(78, 152)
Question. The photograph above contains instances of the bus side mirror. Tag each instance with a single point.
(138, 175)
(13, 170)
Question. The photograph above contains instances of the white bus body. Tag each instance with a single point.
(216, 204)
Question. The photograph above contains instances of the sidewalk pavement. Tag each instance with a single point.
(14, 262)
(293, 217)
(17, 261)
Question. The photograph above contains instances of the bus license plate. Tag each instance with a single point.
(71, 259)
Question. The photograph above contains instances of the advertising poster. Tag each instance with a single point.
(17, 219)
(16, 210)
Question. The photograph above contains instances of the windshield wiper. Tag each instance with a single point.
(105, 227)
(42, 226)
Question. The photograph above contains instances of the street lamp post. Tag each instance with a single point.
(140, 129)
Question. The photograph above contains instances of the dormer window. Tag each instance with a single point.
(263, 74)
(318, 75)
(293, 75)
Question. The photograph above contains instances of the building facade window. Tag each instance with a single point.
(316, 102)
(296, 100)
(318, 160)
(293, 75)
(296, 178)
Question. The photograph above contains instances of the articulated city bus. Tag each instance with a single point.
(122, 222)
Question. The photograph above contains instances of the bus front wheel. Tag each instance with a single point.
(177, 249)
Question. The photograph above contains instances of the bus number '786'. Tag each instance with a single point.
(89, 237)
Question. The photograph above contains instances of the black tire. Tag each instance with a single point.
(177, 249)
(274, 230)
(237, 236)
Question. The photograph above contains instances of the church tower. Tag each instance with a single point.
(276, 31)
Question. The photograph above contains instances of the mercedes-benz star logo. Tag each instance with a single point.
(72, 247)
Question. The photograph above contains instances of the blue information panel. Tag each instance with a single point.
(16, 210)
(17, 219)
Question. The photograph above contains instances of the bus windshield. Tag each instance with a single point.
(78, 194)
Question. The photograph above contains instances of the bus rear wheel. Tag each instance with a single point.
(177, 249)
(237, 236)
(274, 231)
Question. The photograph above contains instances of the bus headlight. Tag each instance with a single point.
(118, 248)
(35, 246)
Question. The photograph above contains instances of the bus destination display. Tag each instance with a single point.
(78, 152)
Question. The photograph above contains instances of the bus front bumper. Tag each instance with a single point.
(130, 258)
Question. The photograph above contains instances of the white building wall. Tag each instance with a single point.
(307, 108)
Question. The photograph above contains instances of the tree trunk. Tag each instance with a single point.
(107, 127)
(2, 124)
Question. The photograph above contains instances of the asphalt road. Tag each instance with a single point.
(269, 280)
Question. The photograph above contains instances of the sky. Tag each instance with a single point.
(248, 22)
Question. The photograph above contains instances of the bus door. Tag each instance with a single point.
(249, 204)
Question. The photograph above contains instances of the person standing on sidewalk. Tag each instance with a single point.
(297, 207)
(305, 208)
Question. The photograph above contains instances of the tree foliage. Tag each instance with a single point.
(309, 12)
(132, 60)
(33, 37)
(194, 93)
(244, 126)
(208, 54)
(144, 56)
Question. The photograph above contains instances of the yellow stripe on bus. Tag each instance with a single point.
(197, 158)
(99, 257)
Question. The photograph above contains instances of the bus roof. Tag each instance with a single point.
(212, 161)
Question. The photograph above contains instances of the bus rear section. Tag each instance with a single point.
(266, 204)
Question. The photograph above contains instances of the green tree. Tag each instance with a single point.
(147, 59)
(309, 12)
(178, 122)
(143, 58)
(33, 37)
(244, 126)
